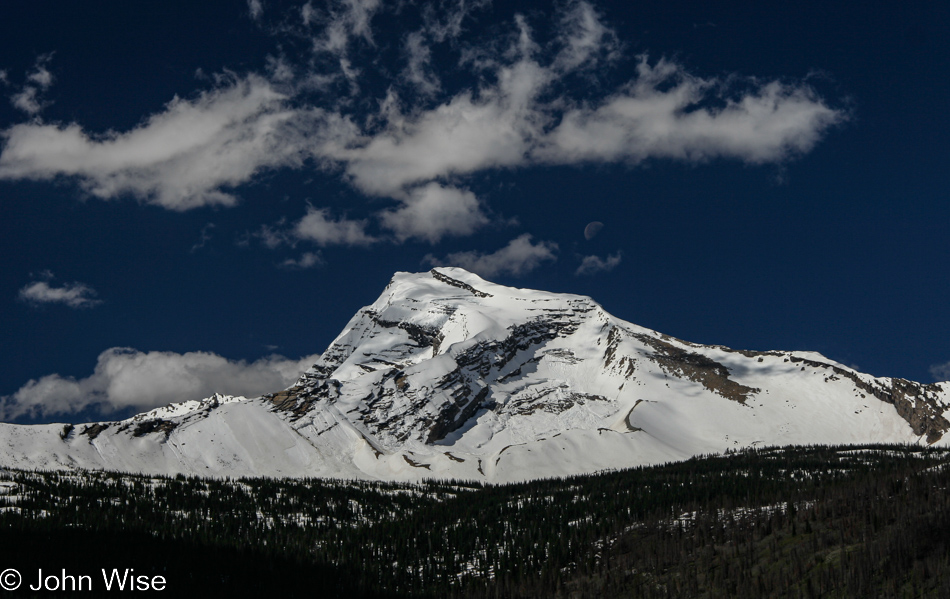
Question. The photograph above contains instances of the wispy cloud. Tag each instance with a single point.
(306, 260)
(661, 114)
(591, 265)
(181, 158)
(255, 9)
(73, 295)
(418, 71)
(433, 211)
(29, 98)
(940, 372)
(417, 148)
(585, 39)
(426, 213)
(442, 22)
(337, 28)
(519, 257)
(444, 19)
(320, 228)
(205, 237)
(126, 378)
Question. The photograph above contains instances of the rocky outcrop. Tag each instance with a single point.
(676, 362)
(94, 430)
(683, 364)
(156, 425)
(916, 403)
(438, 276)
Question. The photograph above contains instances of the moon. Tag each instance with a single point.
(592, 229)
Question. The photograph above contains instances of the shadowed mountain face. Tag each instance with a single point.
(448, 375)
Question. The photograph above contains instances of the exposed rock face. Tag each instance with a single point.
(93, 430)
(404, 402)
(456, 283)
(684, 364)
(427, 381)
(922, 406)
(449, 375)
(157, 425)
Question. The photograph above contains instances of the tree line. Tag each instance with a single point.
(785, 522)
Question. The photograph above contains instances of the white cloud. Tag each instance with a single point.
(280, 70)
(517, 258)
(318, 227)
(41, 75)
(664, 112)
(514, 111)
(306, 260)
(584, 38)
(255, 8)
(426, 213)
(307, 14)
(38, 81)
(442, 21)
(179, 158)
(940, 372)
(468, 133)
(347, 19)
(594, 264)
(432, 211)
(272, 237)
(73, 295)
(205, 237)
(127, 378)
(418, 71)
(445, 22)
(26, 100)
(657, 115)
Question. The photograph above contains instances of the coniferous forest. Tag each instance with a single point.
(870, 521)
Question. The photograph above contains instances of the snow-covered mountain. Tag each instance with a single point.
(448, 375)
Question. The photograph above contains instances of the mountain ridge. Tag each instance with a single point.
(447, 375)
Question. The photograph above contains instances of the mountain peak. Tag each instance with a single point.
(449, 375)
(443, 281)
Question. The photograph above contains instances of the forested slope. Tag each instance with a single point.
(814, 521)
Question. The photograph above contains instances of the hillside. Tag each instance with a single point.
(781, 522)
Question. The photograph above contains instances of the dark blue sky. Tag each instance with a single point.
(219, 186)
